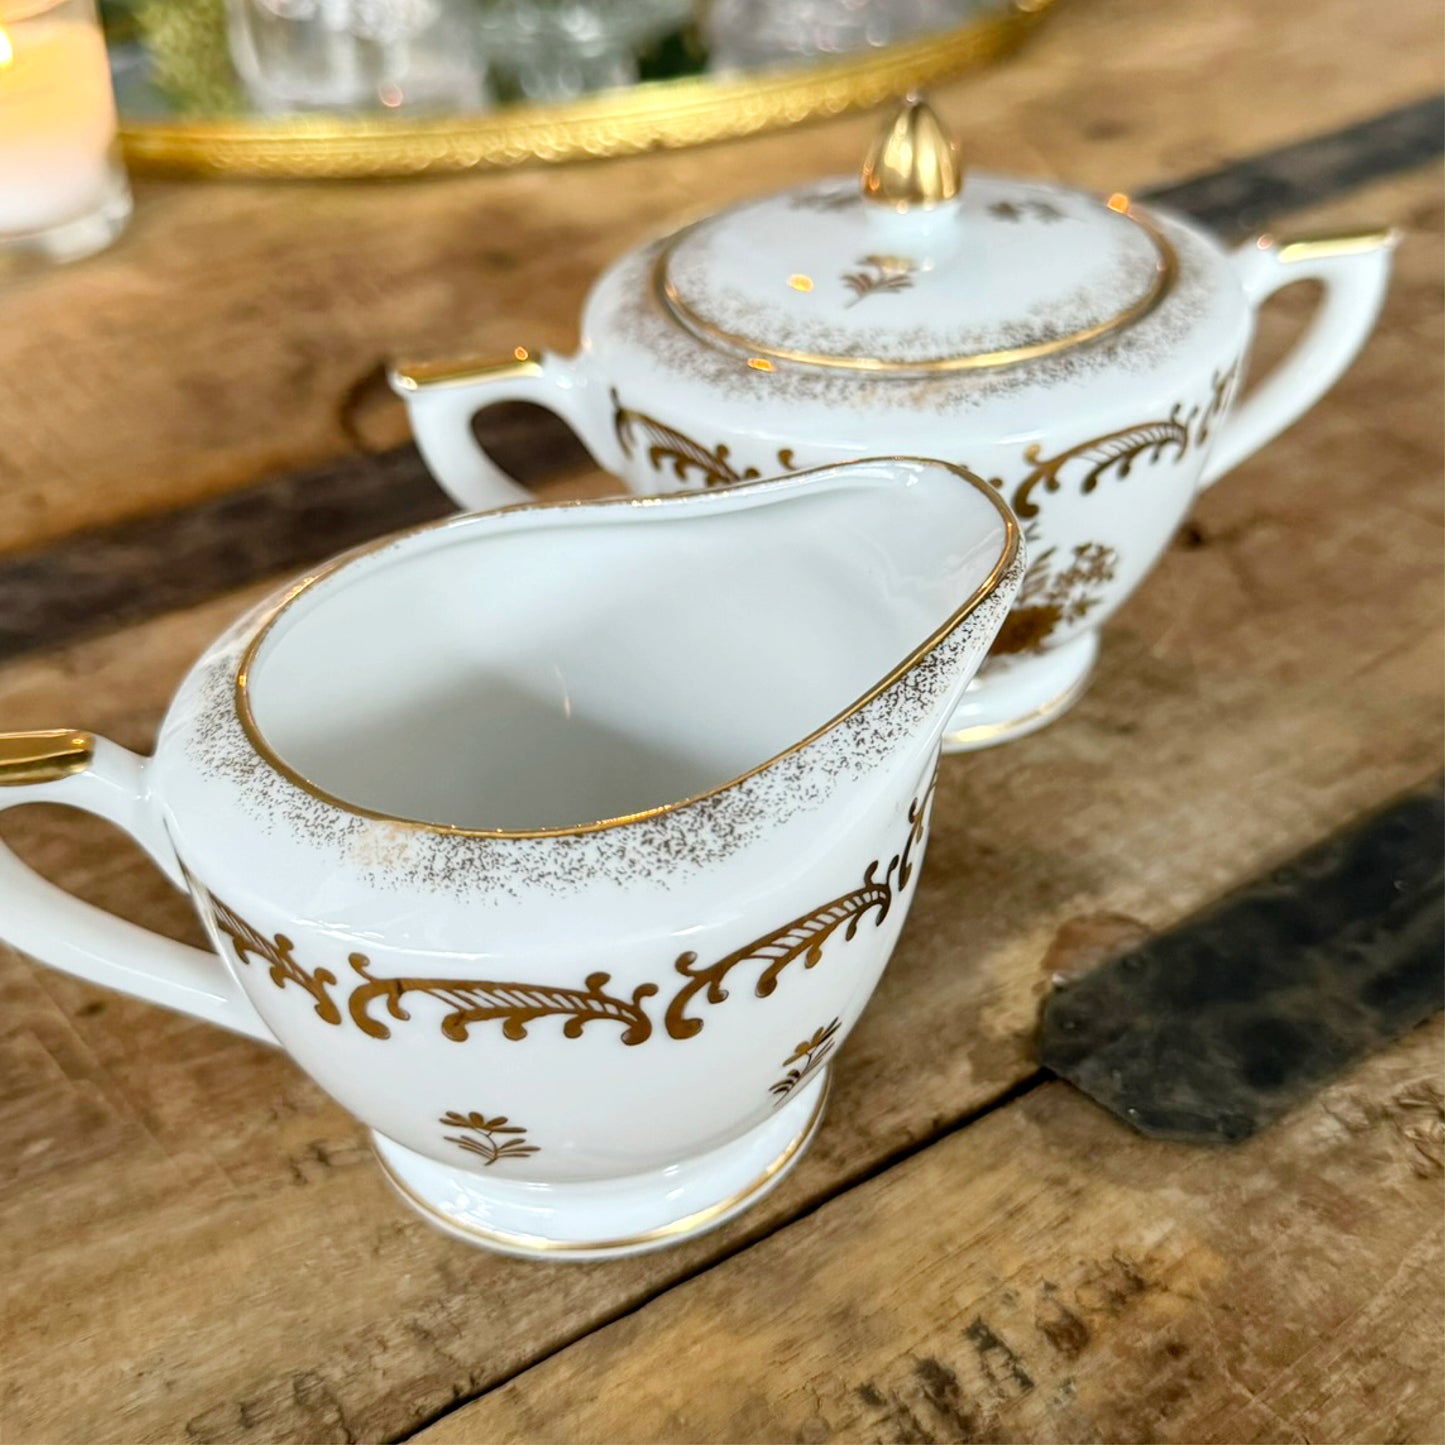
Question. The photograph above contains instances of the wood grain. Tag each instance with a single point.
(1049, 1275)
(239, 329)
(194, 1230)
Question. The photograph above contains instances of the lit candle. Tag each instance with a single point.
(57, 117)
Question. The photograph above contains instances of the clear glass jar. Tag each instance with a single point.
(558, 49)
(63, 189)
(746, 35)
(354, 55)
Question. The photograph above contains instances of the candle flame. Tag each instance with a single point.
(7, 50)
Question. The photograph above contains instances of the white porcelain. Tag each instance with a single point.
(1083, 355)
(635, 795)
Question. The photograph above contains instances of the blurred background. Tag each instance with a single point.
(220, 221)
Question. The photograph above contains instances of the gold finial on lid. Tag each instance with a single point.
(914, 161)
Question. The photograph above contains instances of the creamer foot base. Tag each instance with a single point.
(604, 1221)
(1019, 696)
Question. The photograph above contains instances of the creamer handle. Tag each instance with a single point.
(442, 397)
(81, 771)
(1354, 270)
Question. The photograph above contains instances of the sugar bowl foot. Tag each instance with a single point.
(1014, 696)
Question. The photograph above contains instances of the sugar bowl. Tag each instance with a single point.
(1084, 354)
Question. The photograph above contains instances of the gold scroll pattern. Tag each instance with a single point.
(513, 1005)
(248, 943)
(806, 1059)
(666, 446)
(489, 1139)
(803, 938)
(1221, 387)
(469, 1001)
(516, 1006)
(1114, 452)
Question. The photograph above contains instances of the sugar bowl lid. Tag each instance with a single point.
(916, 270)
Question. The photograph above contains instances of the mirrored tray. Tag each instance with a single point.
(340, 88)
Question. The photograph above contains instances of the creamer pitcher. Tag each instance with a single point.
(562, 845)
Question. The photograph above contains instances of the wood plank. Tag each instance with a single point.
(1047, 1274)
(1209, 1033)
(101, 579)
(1253, 192)
(194, 1230)
(239, 329)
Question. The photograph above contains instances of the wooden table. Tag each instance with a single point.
(196, 1244)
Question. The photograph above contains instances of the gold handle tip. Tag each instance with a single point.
(1325, 244)
(914, 160)
(43, 757)
(410, 376)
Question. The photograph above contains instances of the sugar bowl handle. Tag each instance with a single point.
(442, 397)
(81, 771)
(1354, 270)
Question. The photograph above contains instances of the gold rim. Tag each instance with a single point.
(975, 600)
(1166, 270)
(665, 114)
(535, 1244)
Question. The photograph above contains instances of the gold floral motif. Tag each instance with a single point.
(880, 273)
(1048, 598)
(1220, 386)
(1018, 210)
(667, 444)
(1115, 451)
(802, 938)
(674, 1229)
(247, 943)
(515, 1005)
(807, 1058)
(489, 1139)
(836, 199)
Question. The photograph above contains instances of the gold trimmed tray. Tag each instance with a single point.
(653, 115)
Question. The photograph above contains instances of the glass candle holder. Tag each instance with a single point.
(63, 190)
